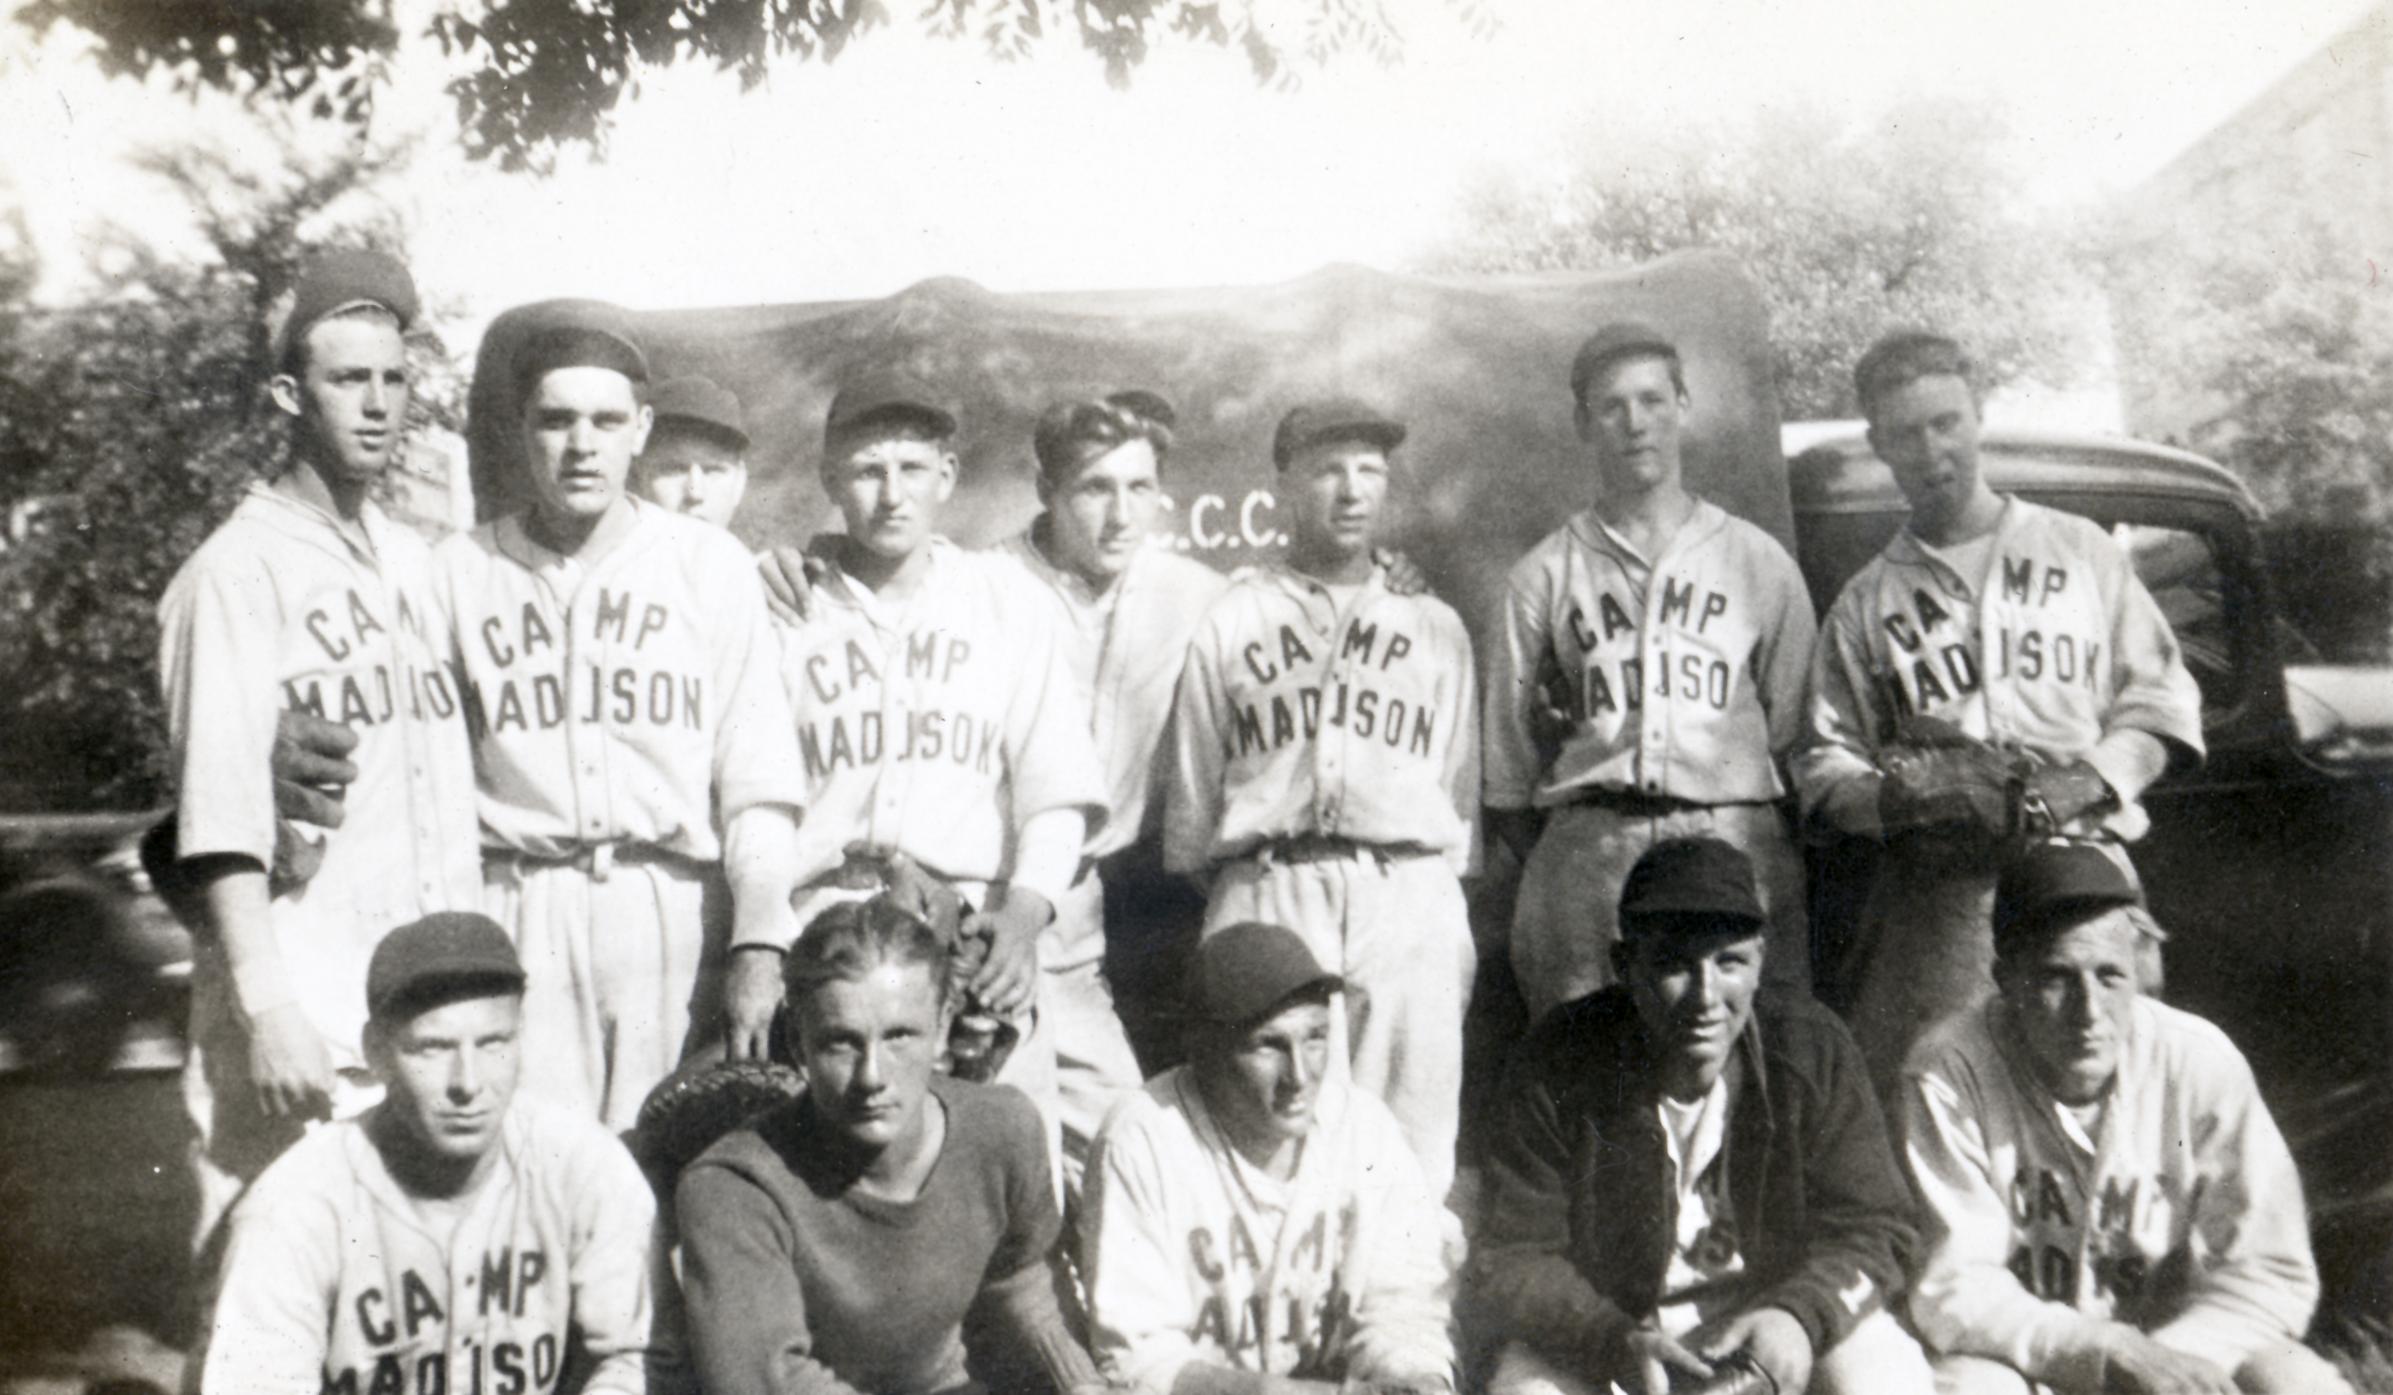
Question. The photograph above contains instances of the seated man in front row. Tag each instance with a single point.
(1686, 1175)
(453, 1238)
(2109, 1206)
(1254, 1225)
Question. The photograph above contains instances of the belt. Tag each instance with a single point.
(1329, 847)
(1640, 804)
(601, 859)
(862, 869)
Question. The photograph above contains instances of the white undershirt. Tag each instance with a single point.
(1699, 1259)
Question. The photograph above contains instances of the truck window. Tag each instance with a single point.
(2181, 571)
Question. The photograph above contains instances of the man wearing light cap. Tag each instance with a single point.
(309, 600)
(1689, 1176)
(624, 698)
(2108, 1205)
(1674, 638)
(938, 724)
(1325, 771)
(454, 1238)
(696, 458)
(1253, 1222)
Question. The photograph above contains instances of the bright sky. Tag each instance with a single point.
(914, 157)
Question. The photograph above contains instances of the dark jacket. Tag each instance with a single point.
(1581, 1212)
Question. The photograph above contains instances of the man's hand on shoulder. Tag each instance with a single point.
(1404, 576)
(1007, 980)
(751, 995)
(288, 1066)
(792, 576)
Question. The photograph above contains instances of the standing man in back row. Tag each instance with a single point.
(938, 724)
(1677, 636)
(310, 599)
(1327, 771)
(2016, 624)
(624, 690)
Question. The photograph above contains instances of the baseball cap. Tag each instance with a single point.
(700, 401)
(1619, 339)
(1243, 971)
(2057, 881)
(1308, 424)
(343, 278)
(873, 393)
(579, 334)
(1690, 883)
(444, 949)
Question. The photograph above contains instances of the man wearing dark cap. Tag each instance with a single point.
(2108, 1206)
(309, 599)
(455, 1237)
(937, 720)
(1674, 638)
(1689, 1175)
(2000, 621)
(696, 460)
(1325, 771)
(630, 729)
(1254, 1223)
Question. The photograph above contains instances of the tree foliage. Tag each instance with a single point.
(1847, 233)
(129, 426)
(535, 75)
(2265, 341)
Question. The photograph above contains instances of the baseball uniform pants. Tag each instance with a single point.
(1876, 1358)
(2289, 1369)
(1393, 925)
(611, 957)
(1567, 915)
(1925, 950)
(1093, 1065)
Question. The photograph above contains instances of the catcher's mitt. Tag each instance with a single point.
(1943, 782)
(694, 1106)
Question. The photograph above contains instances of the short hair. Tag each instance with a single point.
(847, 942)
(1075, 431)
(290, 349)
(1905, 356)
(847, 439)
(1584, 370)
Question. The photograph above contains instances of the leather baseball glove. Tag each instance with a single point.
(1942, 781)
(694, 1106)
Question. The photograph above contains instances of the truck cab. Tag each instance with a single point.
(2271, 863)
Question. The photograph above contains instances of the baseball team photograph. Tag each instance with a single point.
(1014, 748)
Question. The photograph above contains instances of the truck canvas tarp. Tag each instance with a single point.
(1479, 369)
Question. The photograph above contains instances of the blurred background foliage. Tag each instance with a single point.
(130, 424)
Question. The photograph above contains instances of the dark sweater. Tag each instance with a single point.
(795, 1282)
(1581, 1213)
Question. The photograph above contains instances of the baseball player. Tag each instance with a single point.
(2008, 622)
(696, 459)
(456, 1237)
(1326, 772)
(1250, 1216)
(310, 599)
(937, 719)
(1677, 637)
(2108, 1205)
(1688, 1179)
(623, 687)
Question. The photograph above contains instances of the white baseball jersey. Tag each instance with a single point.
(2178, 1211)
(1296, 716)
(621, 699)
(337, 1280)
(2056, 647)
(283, 608)
(1684, 672)
(1194, 1254)
(936, 727)
(1124, 647)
